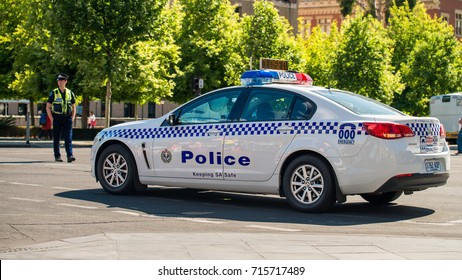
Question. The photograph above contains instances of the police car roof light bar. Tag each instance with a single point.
(260, 77)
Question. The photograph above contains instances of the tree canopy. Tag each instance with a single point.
(150, 50)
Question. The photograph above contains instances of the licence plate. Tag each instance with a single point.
(432, 165)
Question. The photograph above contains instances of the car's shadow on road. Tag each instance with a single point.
(179, 202)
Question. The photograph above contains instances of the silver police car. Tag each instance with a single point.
(277, 134)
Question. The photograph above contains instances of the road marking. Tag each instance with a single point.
(77, 206)
(24, 184)
(196, 220)
(273, 228)
(62, 188)
(26, 199)
(445, 224)
(196, 213)
(127, 213)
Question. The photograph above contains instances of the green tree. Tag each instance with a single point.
(10, 13)
(30, 70)
(363, 60)
(268, 35)
(150, 65)
(427, 55)
(209, 41)
(95, 35)
(319, 53)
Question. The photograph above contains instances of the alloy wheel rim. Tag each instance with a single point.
(307, 184)
(115, 170)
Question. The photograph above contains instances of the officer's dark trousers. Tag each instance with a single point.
(62, 125)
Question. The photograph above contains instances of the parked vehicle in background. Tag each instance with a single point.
(447, 108)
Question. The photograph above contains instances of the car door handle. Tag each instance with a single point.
(285, 129)
(214, 132)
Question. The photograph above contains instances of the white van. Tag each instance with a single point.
(448, 109)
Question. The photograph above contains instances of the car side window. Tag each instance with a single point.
(302, 110)
(211, 109)
(267, 105)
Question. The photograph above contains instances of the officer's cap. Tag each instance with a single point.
(62, 76)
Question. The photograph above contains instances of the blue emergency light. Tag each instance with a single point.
(260, 77)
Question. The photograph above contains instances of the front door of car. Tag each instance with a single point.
(267, 125)
(193, 147)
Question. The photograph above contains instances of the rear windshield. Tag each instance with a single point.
(359, 104)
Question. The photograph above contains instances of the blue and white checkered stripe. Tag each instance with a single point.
(261, 128)
(425, 129)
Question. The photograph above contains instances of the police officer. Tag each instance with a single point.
(61, 109)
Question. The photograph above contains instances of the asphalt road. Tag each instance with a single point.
(43, 201)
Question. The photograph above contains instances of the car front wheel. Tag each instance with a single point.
(117, 170)
(309, 185)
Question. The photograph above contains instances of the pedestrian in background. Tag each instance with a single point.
(61, 109)
(459, 138)
(45, 131)
(91, 120)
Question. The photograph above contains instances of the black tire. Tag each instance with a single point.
(382, 198)
(315, 192)
(117, 172)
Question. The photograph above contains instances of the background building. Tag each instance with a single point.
(286, 8)
(324, 12)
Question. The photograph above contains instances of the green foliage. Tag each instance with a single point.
(7, 122)
(25, 40)
(362, 61)
(319, 53)
(150, 50)
(268, 35)
(94, 36)
(150, 65)
(210, 46)
(426, 54)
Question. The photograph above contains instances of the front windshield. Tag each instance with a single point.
(359, 104)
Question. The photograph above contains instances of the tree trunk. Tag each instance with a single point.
(85, 111)
(108, 104)
(136, 115)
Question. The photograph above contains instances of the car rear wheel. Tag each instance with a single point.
(309, 185)
(382, 198)
(117, 171)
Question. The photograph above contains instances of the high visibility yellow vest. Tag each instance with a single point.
(61, 106)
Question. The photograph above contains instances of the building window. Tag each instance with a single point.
(22, 109)
(129, 110)
(103, 108)
(152, 110)
(3, 109)
(445, 17)
(324, 24)
(458, 23)
(238, 10)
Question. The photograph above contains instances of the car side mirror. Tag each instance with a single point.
(172, 119)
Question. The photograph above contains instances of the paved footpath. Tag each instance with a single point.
(239, 246)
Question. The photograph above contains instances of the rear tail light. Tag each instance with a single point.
(442, 131)
(388, 130)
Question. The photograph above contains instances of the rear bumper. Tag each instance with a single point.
(415, 182)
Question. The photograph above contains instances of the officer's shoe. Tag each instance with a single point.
(58, 159)
(70, 159)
